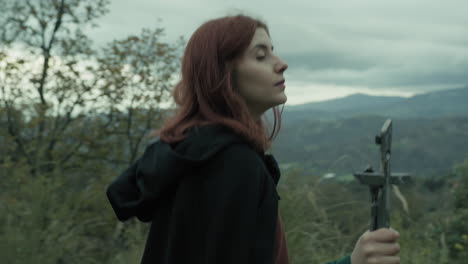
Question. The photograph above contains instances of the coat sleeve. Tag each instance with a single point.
(232, 193)
(126, 198)
(344, 260)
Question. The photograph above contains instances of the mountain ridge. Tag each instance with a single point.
(452, 102)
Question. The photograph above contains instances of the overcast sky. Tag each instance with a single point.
(333, 47)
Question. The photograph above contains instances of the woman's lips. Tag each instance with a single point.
(280, 83)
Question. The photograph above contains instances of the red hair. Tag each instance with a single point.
(205, 94)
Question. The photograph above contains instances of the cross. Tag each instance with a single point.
(379, 183)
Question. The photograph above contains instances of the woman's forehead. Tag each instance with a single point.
(260, 40)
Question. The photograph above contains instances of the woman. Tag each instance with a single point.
(206, 184)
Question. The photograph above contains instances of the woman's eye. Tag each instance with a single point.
(260, 57)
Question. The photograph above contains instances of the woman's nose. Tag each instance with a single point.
(281, 66)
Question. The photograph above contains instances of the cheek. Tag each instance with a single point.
(252, 87)
(254, 81)
(255, 77)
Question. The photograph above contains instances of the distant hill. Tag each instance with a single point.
(430, 133)
(436, 104)
(351, 102)
(452, 102)
(422, 147)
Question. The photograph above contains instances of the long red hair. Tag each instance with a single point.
(205, 94)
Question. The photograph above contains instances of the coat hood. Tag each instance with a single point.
(157, 172)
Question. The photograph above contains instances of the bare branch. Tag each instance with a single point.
(148, 126)
(16, 136)
(65, 124)
(70, 154)
(129, 126)
(58, 22)
(46, 52)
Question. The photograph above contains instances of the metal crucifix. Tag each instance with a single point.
(379, 183)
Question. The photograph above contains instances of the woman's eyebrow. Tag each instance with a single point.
(262, 46)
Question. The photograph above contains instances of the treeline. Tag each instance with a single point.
(422, 147)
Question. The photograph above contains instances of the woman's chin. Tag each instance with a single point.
(278, 100)
(282, 98)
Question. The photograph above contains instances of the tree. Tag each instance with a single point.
(72, 117)
(75, 86)
(43, 81)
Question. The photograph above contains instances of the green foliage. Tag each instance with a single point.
(44, 220)
(325, 219)
(320, 224)
(458, 228)
(68, 126)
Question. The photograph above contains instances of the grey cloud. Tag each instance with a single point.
(328, 60)
(418, 79)
(379, 45)
(381, 60)
(395, 44)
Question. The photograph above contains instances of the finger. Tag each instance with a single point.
(387, 230)
(384, 235)
(382, 249)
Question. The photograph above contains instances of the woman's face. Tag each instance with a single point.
(257, 74)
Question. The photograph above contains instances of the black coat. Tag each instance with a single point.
(211, 199)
